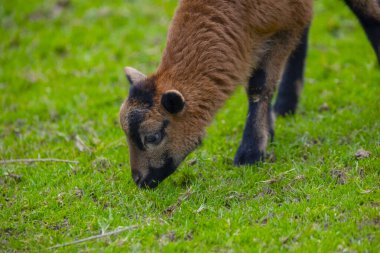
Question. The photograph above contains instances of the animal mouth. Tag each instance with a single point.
(156, 175)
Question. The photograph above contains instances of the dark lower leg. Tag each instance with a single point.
(292, 80)
(271, 122)
(370, 24)
(258, 125)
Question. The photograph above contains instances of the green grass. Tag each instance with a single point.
(61, 78)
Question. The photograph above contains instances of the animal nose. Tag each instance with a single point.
(136, 175)
(148, 181)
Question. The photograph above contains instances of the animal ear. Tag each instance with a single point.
(173, 101)
(134, 76)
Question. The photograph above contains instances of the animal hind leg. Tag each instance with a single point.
(261, 86)
(368, 13)
(292, 79)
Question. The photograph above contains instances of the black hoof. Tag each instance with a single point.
(246, 156)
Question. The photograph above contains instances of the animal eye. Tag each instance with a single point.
(153, 138)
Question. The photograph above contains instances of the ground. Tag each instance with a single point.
(61, 86)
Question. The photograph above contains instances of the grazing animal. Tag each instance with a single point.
(212, 47)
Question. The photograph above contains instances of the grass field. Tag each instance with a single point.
(61, 86)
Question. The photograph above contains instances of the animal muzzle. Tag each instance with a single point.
(154, 176)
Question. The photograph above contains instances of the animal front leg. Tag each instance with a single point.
(262, 84)
(258, 127)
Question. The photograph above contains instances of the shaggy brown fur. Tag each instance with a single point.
(370, 7)
(212, 46)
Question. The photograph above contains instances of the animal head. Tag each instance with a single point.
(155, 119)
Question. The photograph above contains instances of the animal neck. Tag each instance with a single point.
(203, 60)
